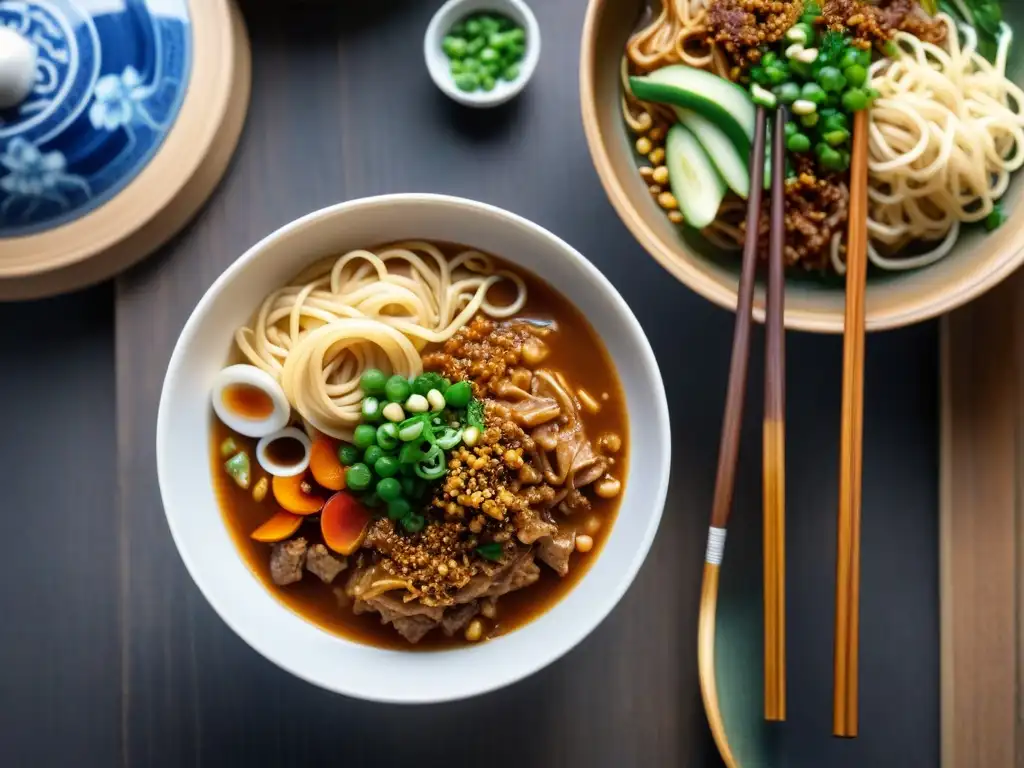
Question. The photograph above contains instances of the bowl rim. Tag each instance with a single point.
(504, 91)
(504, 675)
(929, 305)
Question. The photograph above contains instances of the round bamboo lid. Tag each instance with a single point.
(117, 120)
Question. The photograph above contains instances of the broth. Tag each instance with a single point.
(578, 353)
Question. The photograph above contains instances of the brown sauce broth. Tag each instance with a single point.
(580, 355)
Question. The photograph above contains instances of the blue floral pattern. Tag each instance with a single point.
(110, 81)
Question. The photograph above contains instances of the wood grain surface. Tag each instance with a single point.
(115, 658)
(982, 519)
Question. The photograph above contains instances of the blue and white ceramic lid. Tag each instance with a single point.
(89, 90)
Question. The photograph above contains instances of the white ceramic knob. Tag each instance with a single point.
(17, 68)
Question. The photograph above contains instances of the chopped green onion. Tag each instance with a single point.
(995, 219)
(449, 438)
(387, 436)
(763, 97)
(814, 93)
(239, 469)
(809, 121)
(491, 551)
(410, 453)
(410, 429)
(836, 138)
(804, 107)
(371, 408)
(855, 100)
(432, 466)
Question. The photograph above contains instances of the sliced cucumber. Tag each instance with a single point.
(695, 183)
(722, 102)
(723, 153)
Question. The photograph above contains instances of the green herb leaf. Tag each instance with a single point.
(996, 219)
(475, 414)
(428, 381)
(492, 551)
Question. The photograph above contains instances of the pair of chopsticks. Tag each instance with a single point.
(774, 432)
(851, 452)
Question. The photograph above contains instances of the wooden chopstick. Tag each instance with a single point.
(774, 443)
(845, 706)
(729, 446)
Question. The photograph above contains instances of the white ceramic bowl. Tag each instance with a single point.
(438, 64)
(205, 544)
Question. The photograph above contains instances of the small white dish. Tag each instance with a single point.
(438, 63)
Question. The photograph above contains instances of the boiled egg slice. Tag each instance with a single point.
(250, 401)
(284, 453)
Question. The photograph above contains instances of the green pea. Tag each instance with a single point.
(398, 389)
(399, 509)
(364, 436)
(409, 486)
(413, 523)
(456, 67)
(386, 466)
(758, 76)
(831, 79)
(511, 72)
(389, 489)
(488, 55)
(459, 30)
(829, 158)
(813, 93)
(372, 454)
(471, 66)
(791, 128)
(517, 51)
(459, 394)
(371, 500)
(372, 381)
(487, 82)
(490, 24)
(769, 58)
(348, 454)
(850, 58)
(517, 35)
(798, 142)
(856, 75)
(476, 45)
(358, 477)
(809, 121)
(855, 100)
(454, 47)
(473, 27)
(788, 92)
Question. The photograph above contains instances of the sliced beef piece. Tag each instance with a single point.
(520, 571)
(286, 559)
(322, 564)
(411, 619)
(534, 411)
(456, 618)
(530, 526)
(574, 501)
(555, 551)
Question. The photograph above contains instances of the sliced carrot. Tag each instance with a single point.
(344, 522)
(278, 528)
(289, 494)
(324, 464)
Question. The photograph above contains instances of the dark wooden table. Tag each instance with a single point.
(111, 655)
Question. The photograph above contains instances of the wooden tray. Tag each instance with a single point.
(982, 521)
(168, 192)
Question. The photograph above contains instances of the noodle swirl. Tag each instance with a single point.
(367, 310)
